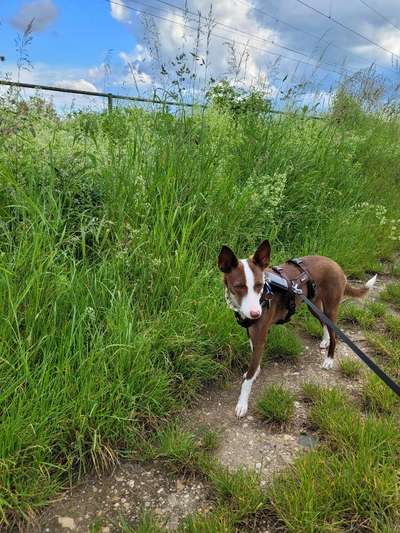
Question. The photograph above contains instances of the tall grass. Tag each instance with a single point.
(112, 314)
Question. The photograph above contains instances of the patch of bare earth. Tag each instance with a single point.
(245, 443)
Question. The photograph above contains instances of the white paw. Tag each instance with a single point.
(328, 363)
(324, 343)
(241, 408)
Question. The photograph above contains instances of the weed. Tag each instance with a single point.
(219, 520)
(378, 397)
(181, 450)
(283, 344)
(112, 311)
(348, 483)
(391, 293)
(356, 314)
(240, 490)
(392, 324)
(276, 404)
(388, 347)
(376, 309)
(349, 367)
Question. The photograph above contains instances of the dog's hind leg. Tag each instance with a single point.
(325, 336)
(331, 312)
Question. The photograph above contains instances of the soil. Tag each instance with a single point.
(98, 502)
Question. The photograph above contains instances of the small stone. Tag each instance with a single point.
(105, 529)
(131, 483)
(179, 485)
(258, 466)
(66, 522)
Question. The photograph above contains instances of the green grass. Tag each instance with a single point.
(239, 490)
(349, 368)
(283, 343)
(276, 404)
(378, 397)
(356, 314)
(391, 293)
(181, 450)
(395, 270)
(392, 324)
(113, 316)
(350, 482)
(376, 309)
(307, 322)
(218, 521)
(387, 347)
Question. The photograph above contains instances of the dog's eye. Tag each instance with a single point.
(239, 286)
(258, 287)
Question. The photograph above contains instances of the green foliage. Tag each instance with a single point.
(349, 367)
(148, 523)
(283, 343)
(378, 397)
(347, 484)
(225, 97)
(217, 521)
(386, 346)
(240, 490)
(276, 404)
(181, 450)
(112, 311)
(392, 324)
(391, 293)
(356, 314)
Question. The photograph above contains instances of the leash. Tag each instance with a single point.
(373, 366)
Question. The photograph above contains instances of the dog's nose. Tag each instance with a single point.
(254, 313)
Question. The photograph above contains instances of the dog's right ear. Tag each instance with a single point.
(227, 260)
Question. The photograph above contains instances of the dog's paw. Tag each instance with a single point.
(241, 408)
(328, 363)
(324, 343)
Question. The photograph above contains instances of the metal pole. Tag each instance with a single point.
(110, 102)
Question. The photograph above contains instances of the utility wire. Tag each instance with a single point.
(336, 21)
(232, 28)
(380, 14)
(310, 34)
(227, 39)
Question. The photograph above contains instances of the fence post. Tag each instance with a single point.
(110, 102)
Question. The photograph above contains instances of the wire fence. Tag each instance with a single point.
(111, 97)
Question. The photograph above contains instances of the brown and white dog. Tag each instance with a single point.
(244, 284)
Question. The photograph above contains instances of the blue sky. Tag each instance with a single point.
(267, 39)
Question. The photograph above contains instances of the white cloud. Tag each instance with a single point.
(41, 12)
(120, 12)
(78, 85)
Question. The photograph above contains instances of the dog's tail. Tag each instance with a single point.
(359, 292)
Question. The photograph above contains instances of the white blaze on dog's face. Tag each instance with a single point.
(244, 278)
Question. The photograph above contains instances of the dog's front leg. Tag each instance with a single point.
(257, 334)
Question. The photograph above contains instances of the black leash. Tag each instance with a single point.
(373, 366)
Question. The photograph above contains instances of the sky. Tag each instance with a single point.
(130, 46)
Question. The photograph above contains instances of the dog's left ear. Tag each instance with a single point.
(263, 254)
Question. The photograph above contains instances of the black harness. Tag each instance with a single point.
(276, 283)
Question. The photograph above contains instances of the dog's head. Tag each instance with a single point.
(244, 278)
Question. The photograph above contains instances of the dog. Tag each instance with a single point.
(244, 285)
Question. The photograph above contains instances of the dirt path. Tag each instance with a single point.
(96, 503)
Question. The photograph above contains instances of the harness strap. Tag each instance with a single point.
(363, 356)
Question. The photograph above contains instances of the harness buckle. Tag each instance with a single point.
(296, 289)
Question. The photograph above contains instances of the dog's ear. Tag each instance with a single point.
(227, 260)
(263, 254)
